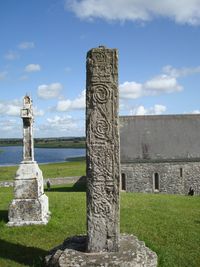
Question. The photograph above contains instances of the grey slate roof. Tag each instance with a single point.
(160, 137)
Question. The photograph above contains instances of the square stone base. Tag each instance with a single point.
(29, 211)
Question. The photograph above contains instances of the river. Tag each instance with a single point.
(12, 155)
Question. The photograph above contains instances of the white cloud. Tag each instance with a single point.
(11, 55)
(32, 68)
(180, 72)
(59, 125)
(182, 11)
(3, 75)
(166, 82)
(155, 110)
(10, 108)
(10, 126)
(196, 111)
(26, 45)
(157, 85)
(131, 90)
(52, 90)
(38, 112)
(13, 107)
(162, 84)
(67, 104)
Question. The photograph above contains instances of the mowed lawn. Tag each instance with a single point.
(51, 170)
(169, 225)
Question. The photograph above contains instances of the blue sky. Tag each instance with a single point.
(43, 52)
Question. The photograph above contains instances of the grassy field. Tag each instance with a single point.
(73, 168)
(169, 224)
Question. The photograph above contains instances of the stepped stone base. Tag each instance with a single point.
(72, 253)
(30, 204)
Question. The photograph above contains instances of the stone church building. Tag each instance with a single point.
(160, 153)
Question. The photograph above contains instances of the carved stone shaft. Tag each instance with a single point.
(27, 117)
(102, 141)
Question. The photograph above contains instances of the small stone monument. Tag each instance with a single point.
(103, 246)
(30, 204)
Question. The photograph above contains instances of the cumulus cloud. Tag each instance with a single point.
(26, 45)
(32, 68)
(155, 110)
(11, 55)
(162, 83)
(52, 90)
(3, 75)
(67, 104)
(181, 11)
(166, 82)
(157, 85)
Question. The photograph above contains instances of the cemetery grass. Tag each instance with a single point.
(51, 170)
(169, 225)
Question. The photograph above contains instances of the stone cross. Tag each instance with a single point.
(27, 117)
(102, 143)
(30, 204)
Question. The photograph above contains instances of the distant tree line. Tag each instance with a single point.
(64, 142)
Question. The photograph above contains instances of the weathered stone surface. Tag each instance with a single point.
(174, 177)
(102, 143)
(27, 117)
(30, 204)
(132, 253)
(28, 211)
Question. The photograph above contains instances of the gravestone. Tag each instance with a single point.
(30, 204)
(103, 246)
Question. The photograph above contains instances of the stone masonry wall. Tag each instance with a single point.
(174, 177)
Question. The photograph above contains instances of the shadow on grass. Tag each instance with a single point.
(4, 215)
(79, 186)
(29, 256)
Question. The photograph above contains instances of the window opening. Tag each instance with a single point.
(156, 181)
(181, 172)
(123, 182)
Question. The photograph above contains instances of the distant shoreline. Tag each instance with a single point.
(71, 159)
(61, 142)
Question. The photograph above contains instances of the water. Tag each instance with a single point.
(12, 155)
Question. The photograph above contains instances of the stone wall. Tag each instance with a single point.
(53, 181)
(174, 177)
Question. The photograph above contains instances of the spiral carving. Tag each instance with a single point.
(102, 129)
(101, 93)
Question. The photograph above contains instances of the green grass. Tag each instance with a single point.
(51, 170)
(169, 224)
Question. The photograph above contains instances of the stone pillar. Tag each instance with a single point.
(102, 142)
(30, 204)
